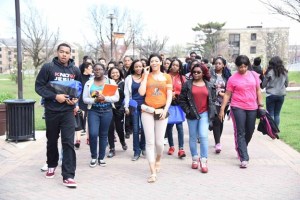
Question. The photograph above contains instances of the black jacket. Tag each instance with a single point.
(119, 104)
(54, 71)
(187, 103)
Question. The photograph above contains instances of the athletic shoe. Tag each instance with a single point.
(44, 168)
(70, 183)
(166, 141)
(218, 148)
(203, 165)
(50, 173)
(135, 158)
(171, 151)
(93, 163)
(124, 146)
(77, 144)
(195, 164)
(244, 164)
(102, 163)
(181, 153)
(111, 153)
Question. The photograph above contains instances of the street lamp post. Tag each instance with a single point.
(111, 17)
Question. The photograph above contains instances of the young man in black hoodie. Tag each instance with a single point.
(59, 113)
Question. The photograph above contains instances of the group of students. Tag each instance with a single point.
(145, 95)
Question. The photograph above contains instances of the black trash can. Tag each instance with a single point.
(20, 119)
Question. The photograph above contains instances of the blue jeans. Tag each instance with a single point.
(99, 121)
(138, 143)
(169, 131)
(274, 104)
(199, 128)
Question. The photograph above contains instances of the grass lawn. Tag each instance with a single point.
(289, 120)
(290, 114)
(10, 87)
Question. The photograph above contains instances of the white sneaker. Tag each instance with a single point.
(44, 168)
(166, 141)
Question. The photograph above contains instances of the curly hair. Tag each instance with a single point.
(204, 69)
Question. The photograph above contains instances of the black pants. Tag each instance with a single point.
(84, 119)
(128, 124)
(117, 123)
(64, 123)
(244, 125)
(218, 125)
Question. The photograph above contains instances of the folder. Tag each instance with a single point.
(109, 90)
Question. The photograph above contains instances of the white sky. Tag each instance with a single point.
(161, 17)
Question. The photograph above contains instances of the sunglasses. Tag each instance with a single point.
(197, 72)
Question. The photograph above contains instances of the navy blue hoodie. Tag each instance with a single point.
(55, 71)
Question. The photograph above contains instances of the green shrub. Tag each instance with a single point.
(5, 96)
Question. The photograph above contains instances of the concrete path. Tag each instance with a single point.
(273, 173)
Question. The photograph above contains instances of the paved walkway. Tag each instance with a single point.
(273, 173)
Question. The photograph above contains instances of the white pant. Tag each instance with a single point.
(154, 133)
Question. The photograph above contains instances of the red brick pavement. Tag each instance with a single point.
(273, 173)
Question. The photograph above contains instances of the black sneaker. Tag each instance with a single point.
(102, 163)
(144, 152)
(111, 153)
(93, 163)
(124, 146)
(127, 135)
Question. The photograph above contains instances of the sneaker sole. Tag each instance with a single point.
(50, 177)
(92, 166)
(70, 185)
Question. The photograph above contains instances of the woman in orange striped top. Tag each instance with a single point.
(157, 88)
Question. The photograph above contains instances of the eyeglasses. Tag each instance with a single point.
(196, 72)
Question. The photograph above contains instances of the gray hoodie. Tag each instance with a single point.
(275, 85)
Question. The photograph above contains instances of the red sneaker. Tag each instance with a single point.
(195, 164)
(181, 153)
(70, 183)
(203, 165)
(171, 151)
(50, 173)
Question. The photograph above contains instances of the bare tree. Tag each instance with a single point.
(126, 25)
(177, 50)
(152, 45)
(39, 43)
(287, 8)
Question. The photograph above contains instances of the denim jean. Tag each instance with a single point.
(98, 122)
(169, 131)
(138, 143)
(244, 125)
(198, 128)
(274, 104)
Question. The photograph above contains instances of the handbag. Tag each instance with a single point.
(176, 115)
(79, 120)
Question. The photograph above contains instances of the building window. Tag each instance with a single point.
(234, 40)
(9, 52)
(0, 55)
(73, 57)
(0, 49)
(253, 36)
(0, 62)
(73, 50)
(252, 50)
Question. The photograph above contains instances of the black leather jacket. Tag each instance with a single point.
(187, 103)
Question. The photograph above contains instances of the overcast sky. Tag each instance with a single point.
(161, 17)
